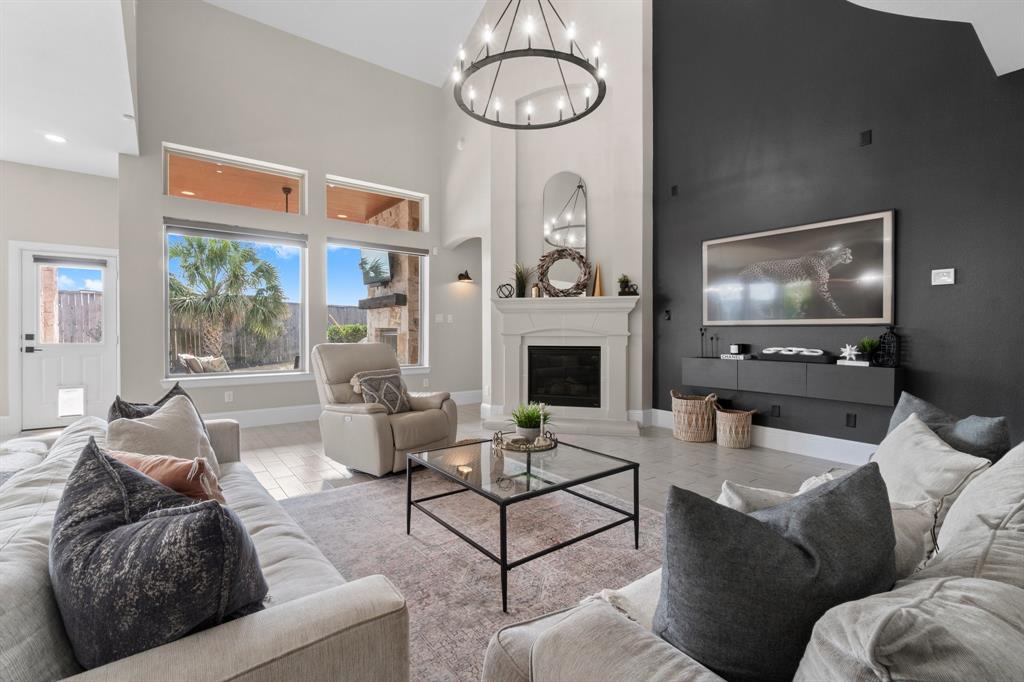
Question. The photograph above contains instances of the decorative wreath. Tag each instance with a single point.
(549, 259)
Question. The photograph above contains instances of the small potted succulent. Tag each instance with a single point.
(530, 420)
(868, 346)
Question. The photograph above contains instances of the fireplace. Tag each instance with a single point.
(569, 376)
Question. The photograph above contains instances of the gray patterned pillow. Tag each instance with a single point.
(134, 564)
(384, 387)
(987, 437)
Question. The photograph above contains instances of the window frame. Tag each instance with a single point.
(423, 366)
(237, 233)
(242, 162)
(386, 190)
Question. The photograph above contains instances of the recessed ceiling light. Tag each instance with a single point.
(187, 193)
(220, 171)
(342, 215)
(53, 137)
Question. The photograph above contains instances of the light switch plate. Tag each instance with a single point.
(451, 318)
(943, 276)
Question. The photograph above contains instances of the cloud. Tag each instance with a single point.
(284, 252)
(65, 282)
(94, 284)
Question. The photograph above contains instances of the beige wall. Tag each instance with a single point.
(52, 206)
(610, 148)
(214, 80)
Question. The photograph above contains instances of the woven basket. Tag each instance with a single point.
(734, 427)
(693, 417)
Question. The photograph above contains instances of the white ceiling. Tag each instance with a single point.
(64, 70)
(998, 23)
(417, 38)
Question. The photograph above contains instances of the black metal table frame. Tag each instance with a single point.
(503, 504)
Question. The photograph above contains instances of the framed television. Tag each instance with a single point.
(832, 272)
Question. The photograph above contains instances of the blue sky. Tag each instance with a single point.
(344, 279)
(77, 279)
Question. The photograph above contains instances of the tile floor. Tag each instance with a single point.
(288, 459)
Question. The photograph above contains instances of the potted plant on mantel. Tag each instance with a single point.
(626, 286)
(530, 420)
(522, 274)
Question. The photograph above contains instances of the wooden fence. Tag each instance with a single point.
(244, 350)
(80, 316)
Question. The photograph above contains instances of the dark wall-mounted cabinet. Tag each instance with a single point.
(865, 385)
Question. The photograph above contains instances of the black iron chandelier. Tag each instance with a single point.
(575, 102)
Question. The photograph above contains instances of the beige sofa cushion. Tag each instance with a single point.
(945, 629)
(175, 429)
(507, 658)
(983, 536)
(918, 465)
(33, 645)
(291, 562)
(417, 429)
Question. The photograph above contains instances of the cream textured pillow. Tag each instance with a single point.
(918, 465)
(911, 522)
(174, 429)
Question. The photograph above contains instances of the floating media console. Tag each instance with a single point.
(864, 385)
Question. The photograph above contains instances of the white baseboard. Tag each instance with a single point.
(467, 397)
(271, 415)
(807, 444)
(641, 417)
(304, 413)
(488, 410)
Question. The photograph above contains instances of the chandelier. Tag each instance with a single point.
(569, 227)
(524, 37)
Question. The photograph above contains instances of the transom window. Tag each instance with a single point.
(234, 300)
(223, 179)
(370, 204)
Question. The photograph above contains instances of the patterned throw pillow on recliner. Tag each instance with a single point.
(384, 387)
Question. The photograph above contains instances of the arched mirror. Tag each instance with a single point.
(565, 224)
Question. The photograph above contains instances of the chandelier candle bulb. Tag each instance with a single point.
(462, 59)
(472, 98)
(570, 33)
(586, 96)
(497, 109)
(596, 52)
(456, 74)
(561, 106)
(529, 113)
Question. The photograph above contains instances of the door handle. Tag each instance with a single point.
(32, 349)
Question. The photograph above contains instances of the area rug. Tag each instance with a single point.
(453, 591)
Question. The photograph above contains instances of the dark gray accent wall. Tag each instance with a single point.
(758, 110)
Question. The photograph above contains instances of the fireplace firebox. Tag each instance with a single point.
(568, 376)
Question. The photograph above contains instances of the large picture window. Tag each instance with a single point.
(234, 300)
(374, 294)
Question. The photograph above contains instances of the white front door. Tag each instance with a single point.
(68, 341)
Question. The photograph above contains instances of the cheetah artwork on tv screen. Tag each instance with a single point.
(832, 272)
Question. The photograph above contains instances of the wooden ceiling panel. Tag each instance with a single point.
(226, 184)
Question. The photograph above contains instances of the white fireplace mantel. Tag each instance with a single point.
(601, 321)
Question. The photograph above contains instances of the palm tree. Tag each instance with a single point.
(222, 284)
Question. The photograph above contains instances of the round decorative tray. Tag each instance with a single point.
(513, 443)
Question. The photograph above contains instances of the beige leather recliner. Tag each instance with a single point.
(363, 436)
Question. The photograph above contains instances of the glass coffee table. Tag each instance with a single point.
(506, 477)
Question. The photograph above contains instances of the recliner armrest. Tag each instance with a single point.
(428, 401)
(356, 408)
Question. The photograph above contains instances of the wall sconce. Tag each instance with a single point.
(464, 276)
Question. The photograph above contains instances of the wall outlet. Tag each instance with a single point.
(776, 410)
(229, 396)
(943, 276)
(426, 382)
(851, 420)
(438, 318)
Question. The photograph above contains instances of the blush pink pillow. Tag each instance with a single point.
(194, 478)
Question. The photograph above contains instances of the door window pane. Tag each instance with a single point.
(361, 205)
(234, 305)
(70, 304)
(373, 295)
(209, 179)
